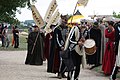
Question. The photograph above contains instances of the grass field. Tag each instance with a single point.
(22, 44)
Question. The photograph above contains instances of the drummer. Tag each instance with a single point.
(75, 42)
(95, 34)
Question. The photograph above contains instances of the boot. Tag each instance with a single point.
(59, 76)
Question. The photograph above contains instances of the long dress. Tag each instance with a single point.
(103, 41)
(95, 34)
(35, 58)
(47, 45)
(109, 55)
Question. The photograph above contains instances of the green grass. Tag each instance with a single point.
(22, 44)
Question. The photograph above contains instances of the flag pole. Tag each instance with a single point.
(74, 11)
(37, 33)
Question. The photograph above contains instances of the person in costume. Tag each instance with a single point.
(95, 34)
(47, 46)
(16, 37)
(2, 36)
(109, 55)
(13, 41)
(35, 47)
(117, 51)
(6, 35)
(75, 43)
(57, 45)
(103, 39)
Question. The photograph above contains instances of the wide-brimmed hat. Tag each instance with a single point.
(95, 24)
(35, 26)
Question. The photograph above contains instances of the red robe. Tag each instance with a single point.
(109, 55)
(47, 45)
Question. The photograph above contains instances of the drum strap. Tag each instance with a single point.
(89, 34)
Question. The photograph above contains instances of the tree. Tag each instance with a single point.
(8, 9)
(116, 15)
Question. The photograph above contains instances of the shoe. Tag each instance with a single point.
(59, 76)
(111, 78)
(92, 67)
(64, 76)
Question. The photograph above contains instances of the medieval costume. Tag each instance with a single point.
(103, 41)
(6, 35)
(77, 52)
(16, 37)
(117, 51)
(2, 36)
(95, 34)
(35, 48)
(48, 38)
(13, 41)
(54, 60)
(47, 45)
(109, 55)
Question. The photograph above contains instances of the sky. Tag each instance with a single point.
(97, 7)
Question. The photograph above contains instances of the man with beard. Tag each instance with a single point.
(35, 48)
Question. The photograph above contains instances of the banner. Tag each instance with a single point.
(55, 17)
(82, 2)
(53, 5)
(37, 17)
(53, 20)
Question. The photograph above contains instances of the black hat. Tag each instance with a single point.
(35, 26)
(16, 27)
(95, 24)
(111, 23)
(52, 26)
(5, 27)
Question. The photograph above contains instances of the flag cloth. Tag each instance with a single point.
(53, 5)
(53, 20)
(78, 4)
(37, 17)
(82, 2)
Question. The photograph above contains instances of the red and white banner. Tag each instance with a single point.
(37, 17)
(53, 5)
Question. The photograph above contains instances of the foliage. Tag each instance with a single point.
(116, 15)
(8, 9)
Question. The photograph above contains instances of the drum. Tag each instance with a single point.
(90, 46)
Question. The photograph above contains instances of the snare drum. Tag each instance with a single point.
(90, 46)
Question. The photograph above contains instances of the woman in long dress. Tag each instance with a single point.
(109, 56)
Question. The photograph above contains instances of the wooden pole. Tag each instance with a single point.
(74, 11)
(35, 43)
